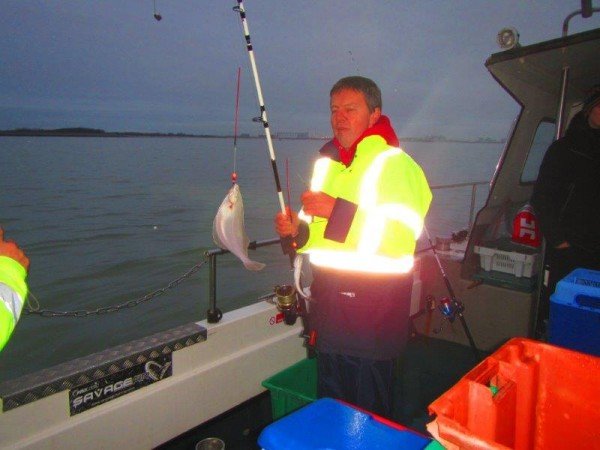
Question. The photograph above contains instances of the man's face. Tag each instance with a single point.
(350, 116)
(594, 117)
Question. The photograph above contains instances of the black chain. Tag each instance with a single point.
(115, 308)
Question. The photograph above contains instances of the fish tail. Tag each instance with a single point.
(254, 265)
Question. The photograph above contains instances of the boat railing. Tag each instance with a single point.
(586, 11)
(214, 315)
(473, 185)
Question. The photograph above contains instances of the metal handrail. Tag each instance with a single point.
(473, 185)
(214, 314)
(586, 11)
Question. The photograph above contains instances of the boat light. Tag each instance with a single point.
(508, 38)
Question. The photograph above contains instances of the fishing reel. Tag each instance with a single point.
(286, 300)
(449, 309)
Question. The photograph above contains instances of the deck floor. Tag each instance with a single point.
(428, 369)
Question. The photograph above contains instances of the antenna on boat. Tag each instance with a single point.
(452, 307)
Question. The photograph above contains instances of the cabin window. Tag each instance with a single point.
(544, 136)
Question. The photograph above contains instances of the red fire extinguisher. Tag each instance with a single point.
(525, 227)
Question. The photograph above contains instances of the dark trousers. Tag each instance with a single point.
(362, 322)
(365, 383)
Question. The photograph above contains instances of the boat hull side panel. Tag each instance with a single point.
(246, 347)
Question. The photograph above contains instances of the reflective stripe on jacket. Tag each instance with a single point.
(390, 196)
(13, 291)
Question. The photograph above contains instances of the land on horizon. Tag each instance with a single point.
(96, 132)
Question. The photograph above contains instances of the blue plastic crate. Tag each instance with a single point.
(575, 312)
(328, 424)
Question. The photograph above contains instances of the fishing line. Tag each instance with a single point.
(287, 181)
(235, 128)
(354, 61)
(263, 111)
(306, 185)
(33, 305)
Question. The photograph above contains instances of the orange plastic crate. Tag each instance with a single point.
(526, 395)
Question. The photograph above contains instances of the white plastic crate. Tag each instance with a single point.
(517, 264)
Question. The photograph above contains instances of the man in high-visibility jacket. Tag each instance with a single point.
(13, 288)
(359, 225)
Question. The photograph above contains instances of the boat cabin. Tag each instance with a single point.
(549, 81)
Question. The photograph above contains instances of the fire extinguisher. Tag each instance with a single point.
(525, 227)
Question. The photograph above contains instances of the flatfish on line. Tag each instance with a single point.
(228, 228)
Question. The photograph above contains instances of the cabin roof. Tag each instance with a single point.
(541, 65)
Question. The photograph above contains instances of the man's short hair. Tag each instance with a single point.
(365, 85)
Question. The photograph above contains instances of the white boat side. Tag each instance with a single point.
(209, 377)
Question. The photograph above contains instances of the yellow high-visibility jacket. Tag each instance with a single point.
(13, 291)
(381, 202)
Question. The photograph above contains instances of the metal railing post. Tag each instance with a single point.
(214, 314)
(472, 210)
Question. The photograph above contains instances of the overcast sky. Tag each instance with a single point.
(108, 64)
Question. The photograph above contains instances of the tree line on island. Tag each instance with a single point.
(97, 132)
(93, 132)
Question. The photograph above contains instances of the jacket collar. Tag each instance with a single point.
(382, 127)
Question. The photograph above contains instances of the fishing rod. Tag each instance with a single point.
(451, 308)
(288, 243)
(263, 110)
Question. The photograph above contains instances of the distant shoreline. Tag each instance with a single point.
(90, 132)
(124, 134)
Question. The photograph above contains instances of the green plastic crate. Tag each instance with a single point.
(293, 387)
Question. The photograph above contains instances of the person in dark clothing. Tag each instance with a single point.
(566, 199)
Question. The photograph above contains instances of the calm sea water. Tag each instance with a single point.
(107, 220)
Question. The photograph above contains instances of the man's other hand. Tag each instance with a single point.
(317, 204)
